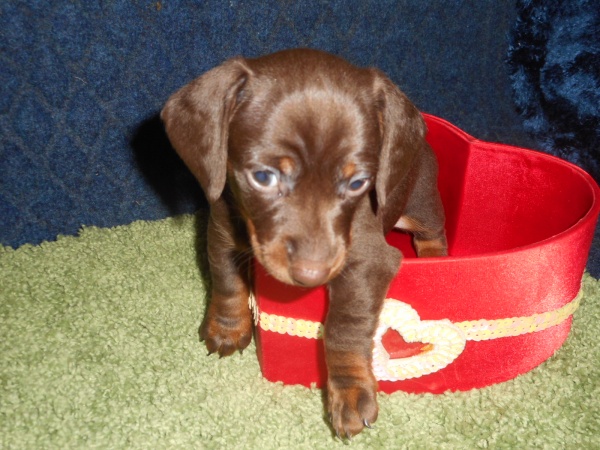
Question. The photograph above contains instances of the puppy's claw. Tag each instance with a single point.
(346, 437)
(367, 424)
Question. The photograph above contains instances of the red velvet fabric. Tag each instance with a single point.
(519, 224)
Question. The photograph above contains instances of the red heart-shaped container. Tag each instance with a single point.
(519, 225)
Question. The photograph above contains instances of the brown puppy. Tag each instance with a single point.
(307, 162)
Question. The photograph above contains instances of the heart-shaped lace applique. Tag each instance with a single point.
(443, 341)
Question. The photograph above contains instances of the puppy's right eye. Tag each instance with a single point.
(264, 179)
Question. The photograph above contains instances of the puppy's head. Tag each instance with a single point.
(302, 137)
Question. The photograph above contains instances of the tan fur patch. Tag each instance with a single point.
(407, 224)
(349, 170)
(433, 247)
(286, 165)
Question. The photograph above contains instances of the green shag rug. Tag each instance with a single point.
(100, 349)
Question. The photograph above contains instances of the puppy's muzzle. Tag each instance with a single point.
(309, 273)
(313, 267)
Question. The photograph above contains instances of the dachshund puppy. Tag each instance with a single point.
(307, 162)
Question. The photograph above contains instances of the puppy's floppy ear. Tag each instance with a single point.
(403, 134)
(197, 120)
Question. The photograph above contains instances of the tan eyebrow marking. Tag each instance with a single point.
(286, 165)
(349, 170)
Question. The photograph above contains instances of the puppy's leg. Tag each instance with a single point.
(427, 238)
(228, 323)
(356, 298)
(424, 213)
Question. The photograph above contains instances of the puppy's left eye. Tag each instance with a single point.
(265, 179)
(358, 185)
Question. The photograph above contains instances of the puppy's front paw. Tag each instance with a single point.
(352, 407)
(226, 330)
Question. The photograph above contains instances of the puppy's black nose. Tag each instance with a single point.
(309, 273)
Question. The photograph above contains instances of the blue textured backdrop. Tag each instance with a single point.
(554, 60)
(81, 84)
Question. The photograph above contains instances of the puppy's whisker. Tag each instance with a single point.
(223, 235)
(243, 257)
(347, 273)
